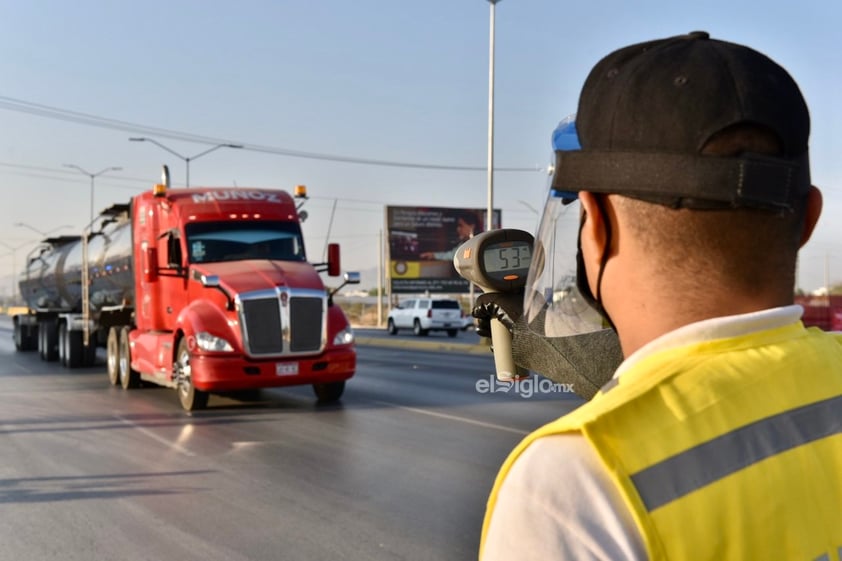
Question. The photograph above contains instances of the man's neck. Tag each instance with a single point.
(648, 318)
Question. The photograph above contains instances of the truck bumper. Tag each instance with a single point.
(227, 373)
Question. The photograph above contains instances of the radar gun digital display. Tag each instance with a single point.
(498, 261)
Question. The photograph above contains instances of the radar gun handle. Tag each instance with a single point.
(504, 362)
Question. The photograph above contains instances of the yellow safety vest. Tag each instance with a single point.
(726, 449)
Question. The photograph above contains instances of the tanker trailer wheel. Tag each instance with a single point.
(329, 392)
(25, 339)
(19, 337)
(40, 342)
(129, 378)
(113, 356)
(191, 399)
(49, 340)
(74, 350)
(62, 344)
(89, 352)
(18, 334)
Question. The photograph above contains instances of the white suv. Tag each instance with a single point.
(423, 315)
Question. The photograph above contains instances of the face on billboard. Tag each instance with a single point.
(464, 229)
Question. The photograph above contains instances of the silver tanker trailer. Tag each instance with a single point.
(64, 322)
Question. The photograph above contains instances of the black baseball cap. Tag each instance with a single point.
(646, 111)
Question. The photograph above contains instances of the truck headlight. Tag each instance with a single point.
(344, 337)
(208, 342)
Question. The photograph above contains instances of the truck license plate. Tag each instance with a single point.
(286, 369)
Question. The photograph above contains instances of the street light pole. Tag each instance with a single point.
(92, 176)
(186, 159)
(490, 215)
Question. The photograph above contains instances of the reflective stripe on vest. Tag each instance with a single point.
(710, 461)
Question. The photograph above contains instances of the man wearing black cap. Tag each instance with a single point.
(720, 434)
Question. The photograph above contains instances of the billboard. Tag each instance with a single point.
(422, 241)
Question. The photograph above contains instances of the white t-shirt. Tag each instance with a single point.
(558, 501)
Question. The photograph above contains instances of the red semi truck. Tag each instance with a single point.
(203, 290)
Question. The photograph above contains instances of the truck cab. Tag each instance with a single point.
(226, 298)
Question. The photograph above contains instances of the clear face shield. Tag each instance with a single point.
(553, 305)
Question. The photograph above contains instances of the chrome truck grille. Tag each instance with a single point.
(283, 322)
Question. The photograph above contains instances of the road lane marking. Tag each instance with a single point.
(160, 439)
(453, 418)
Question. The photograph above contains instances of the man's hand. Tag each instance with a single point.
(504, 306)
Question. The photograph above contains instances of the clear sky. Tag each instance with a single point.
(386, 80)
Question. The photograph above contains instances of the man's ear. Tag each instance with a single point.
(811, 214)
(594, 236)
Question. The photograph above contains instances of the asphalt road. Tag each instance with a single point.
(401, 469)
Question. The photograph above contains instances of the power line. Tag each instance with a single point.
(49, 112)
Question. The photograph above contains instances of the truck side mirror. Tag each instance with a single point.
(333, 263)
(349, 278)
(150, 264)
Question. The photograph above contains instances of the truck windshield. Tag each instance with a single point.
(235, 241)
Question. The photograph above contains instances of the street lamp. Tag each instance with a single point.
(186, 159)
(92, 176)
(37, 231)
(490, 216)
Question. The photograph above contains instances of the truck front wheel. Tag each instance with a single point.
(191, 399)
(329, 392)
